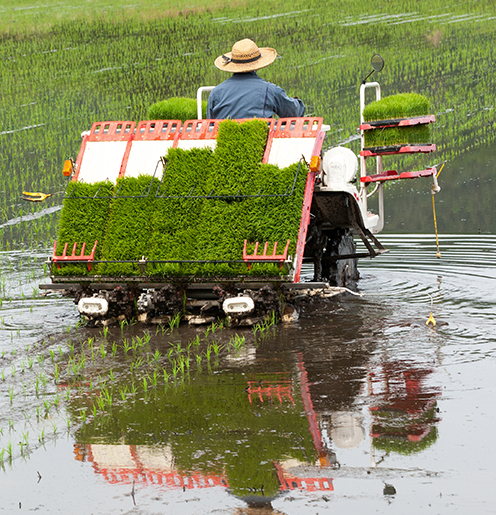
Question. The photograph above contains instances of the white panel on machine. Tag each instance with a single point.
(102, 161)
(145, 155)
(186, 144)
(286, 151)
(292, 139)
(112, 456)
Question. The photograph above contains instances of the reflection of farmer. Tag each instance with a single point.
(245, 94)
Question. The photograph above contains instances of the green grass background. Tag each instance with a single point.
(68, 64)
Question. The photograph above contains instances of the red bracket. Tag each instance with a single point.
(271, 392)
(392, 175)
(397, 149)
(264, 257)
(112, 131)
(199, 129)
(105, 132)
(304, 223)
(304, 127)
(399, 122)
(155, 130)
(73, 257)
(429, 172)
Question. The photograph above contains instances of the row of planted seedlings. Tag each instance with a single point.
(31, 399)
(20, 273)
(44, 81)
(106, 371)
(66, 381)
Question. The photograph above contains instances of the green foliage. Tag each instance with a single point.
(402, 105)
(268, 431)
(170, 228)
(187, 172)
(83, 220)
(398, 135)
(238, 155)
(225, 224)
(394, 428)
(176, 220)
(275, 219)
(176, 109)
(402, 445)
(130, 224)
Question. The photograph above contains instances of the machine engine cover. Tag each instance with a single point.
(340, 166)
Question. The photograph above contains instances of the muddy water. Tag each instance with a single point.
(359, 405)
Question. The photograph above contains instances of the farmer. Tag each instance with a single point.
(245, 94)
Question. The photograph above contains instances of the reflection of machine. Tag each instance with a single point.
(330, 210)
(405, 415)
(249, 442)
(143, 464)
(153, 465)
(259, 434)
(290, 481)
(347, 430)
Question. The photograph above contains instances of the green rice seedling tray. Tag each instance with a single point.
(191, 236)
(397, 120)
(402, 105)
(176, 109)
(83, 221)
(384, 137)
(129, 225)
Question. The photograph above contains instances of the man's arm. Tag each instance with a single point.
(284, 106)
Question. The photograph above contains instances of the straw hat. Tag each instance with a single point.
(245, 57)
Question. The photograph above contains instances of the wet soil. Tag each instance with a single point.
(360, 405)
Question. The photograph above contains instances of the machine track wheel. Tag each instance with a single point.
(340, 272)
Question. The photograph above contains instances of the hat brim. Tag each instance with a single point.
(267, 56)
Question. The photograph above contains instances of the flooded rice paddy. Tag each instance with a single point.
(359, 405)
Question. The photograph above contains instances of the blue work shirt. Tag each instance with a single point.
(246, 95)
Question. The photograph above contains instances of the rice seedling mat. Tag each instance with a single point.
(198, 236)
(176, 107)
(396, 124)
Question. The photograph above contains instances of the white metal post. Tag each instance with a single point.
(199, 99)
(363, 164)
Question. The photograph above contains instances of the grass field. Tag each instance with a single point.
(65, 65)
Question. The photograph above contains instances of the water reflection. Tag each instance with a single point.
(404, 409)
(273, 420)
(142, 464)
(232, 429)
(343, 405)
